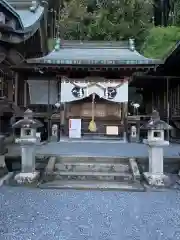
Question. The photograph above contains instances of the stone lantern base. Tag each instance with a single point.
(158, 180)
(27, 178)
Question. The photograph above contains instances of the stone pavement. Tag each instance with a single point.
(33, 214)
(103, 148)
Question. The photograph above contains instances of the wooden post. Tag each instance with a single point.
(48, 110)
(16, 89)
(152, 99)
(125, 114)
(167, 92)
(10, 90)
(25, 93)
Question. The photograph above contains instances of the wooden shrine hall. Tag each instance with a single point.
(83, 86)
(161, 90)
(23, 26)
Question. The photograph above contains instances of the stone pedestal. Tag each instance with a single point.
(159, 180)
(156, 176)
(156, 160)
(28, 158)
(27, 178)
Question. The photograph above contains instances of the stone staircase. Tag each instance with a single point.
(91, 173)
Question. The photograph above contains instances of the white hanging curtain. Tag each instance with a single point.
(100, 90)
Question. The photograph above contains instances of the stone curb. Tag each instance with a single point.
(6, 178)
(50, 166)
(134, 168)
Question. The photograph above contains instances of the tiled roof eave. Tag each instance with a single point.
(12, 10)
(22, 35)
(94, 62)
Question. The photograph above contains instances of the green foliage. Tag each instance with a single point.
(175, 12)
(105, 19)
(51, 44)
(160, 41)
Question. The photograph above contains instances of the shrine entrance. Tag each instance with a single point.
(107, 118)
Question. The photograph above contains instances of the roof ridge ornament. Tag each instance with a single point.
(57, 44)
(34, 5)
(131, 44)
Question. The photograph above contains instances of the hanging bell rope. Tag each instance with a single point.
(92, 124)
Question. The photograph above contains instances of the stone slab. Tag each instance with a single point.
(92, 185)
(50, 165)
(90, 173)
(98, 176)
(89, 166)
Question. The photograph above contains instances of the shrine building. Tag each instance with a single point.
(81, 81)
(23, 26)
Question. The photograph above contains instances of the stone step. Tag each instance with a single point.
(99, 176)
(93, 167)
(94, 159)
(92, 185)
(83, 173)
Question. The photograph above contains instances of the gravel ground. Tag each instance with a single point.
(84, 215)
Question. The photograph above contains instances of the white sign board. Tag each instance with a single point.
(74, 128)
(112, 130)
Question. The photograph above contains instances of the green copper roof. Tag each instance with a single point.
(98, 53)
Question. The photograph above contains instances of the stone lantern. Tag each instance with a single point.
(155, 141)
(28, 142)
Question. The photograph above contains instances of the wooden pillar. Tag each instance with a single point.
(48, 110)
(125, 115)
(16, 86)
(152, 101)
(178, 97)
(25, 93)
(10, 90)
(167, 91)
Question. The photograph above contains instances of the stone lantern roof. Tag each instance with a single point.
(155, 123)
(28, 121)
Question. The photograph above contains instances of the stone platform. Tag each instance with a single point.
(93, 164)
(96, 148)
